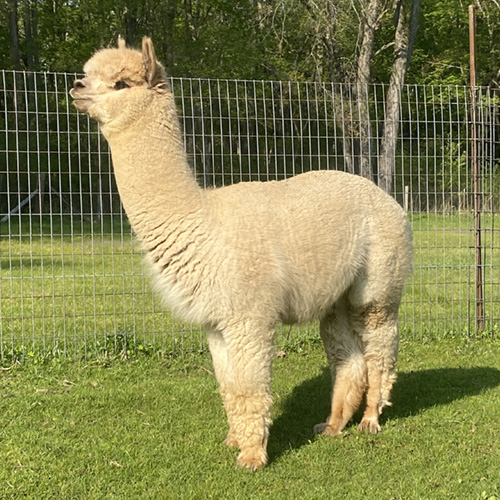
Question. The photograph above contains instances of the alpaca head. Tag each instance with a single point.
(119, 84)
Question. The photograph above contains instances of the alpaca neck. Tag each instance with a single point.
(153, 176)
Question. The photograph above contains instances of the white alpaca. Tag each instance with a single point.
(322, 245)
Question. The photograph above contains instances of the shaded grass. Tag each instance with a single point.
(152, 428)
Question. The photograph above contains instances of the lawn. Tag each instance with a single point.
(76, 288)
(151, 427)
(440, 296)
(103, 395)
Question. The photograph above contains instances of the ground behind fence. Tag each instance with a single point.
(72, 279)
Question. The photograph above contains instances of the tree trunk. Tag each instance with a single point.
(130, 19)
(15, 56)
(403, 47)
(330, 67)
(31, 34)
(368, 27)
(27, 35)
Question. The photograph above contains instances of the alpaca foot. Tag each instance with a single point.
(369, 424)
(252, 459)
(326, 430)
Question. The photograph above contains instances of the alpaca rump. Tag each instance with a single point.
(238, 259)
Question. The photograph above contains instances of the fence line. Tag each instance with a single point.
(72, 279)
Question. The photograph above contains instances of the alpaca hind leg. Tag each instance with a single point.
(218, 351)
(248, 396)
(380, 338)
(348, 370)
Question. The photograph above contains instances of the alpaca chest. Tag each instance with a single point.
(187, 290)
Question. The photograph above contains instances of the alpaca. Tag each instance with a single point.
(322, 245)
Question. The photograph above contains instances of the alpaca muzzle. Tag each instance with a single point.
(81, 99)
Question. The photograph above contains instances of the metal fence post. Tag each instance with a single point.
(476, 174)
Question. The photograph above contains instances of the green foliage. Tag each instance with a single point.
(442, 49)
(198, 38)
(249, 39)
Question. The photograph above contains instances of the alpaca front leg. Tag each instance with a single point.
(248, 399)
(252, 419)
(218, 351)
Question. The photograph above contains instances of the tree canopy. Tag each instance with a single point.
(258, 39)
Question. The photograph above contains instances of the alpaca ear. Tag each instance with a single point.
(154, 72)
(121, 43)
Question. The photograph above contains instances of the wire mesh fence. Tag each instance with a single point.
(72, 279)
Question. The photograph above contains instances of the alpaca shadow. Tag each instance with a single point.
(413, 392)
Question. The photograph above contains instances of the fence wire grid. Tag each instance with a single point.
(72, 279)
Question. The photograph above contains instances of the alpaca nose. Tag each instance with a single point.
(79, 84)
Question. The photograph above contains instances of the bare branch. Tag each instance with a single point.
(384, 47)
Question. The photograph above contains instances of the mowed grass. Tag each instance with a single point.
(152, 428)
(76, 288)
(440, 297)
(78, 421)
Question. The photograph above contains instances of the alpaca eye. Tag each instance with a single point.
(120, 84)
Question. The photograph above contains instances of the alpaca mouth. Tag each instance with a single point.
(81, 103)
(74, 93)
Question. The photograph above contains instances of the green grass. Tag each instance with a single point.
(69, 288)
(77, 288)
(152, 428)
(440, 295)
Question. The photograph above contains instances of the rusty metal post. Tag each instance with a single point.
(475, 174)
